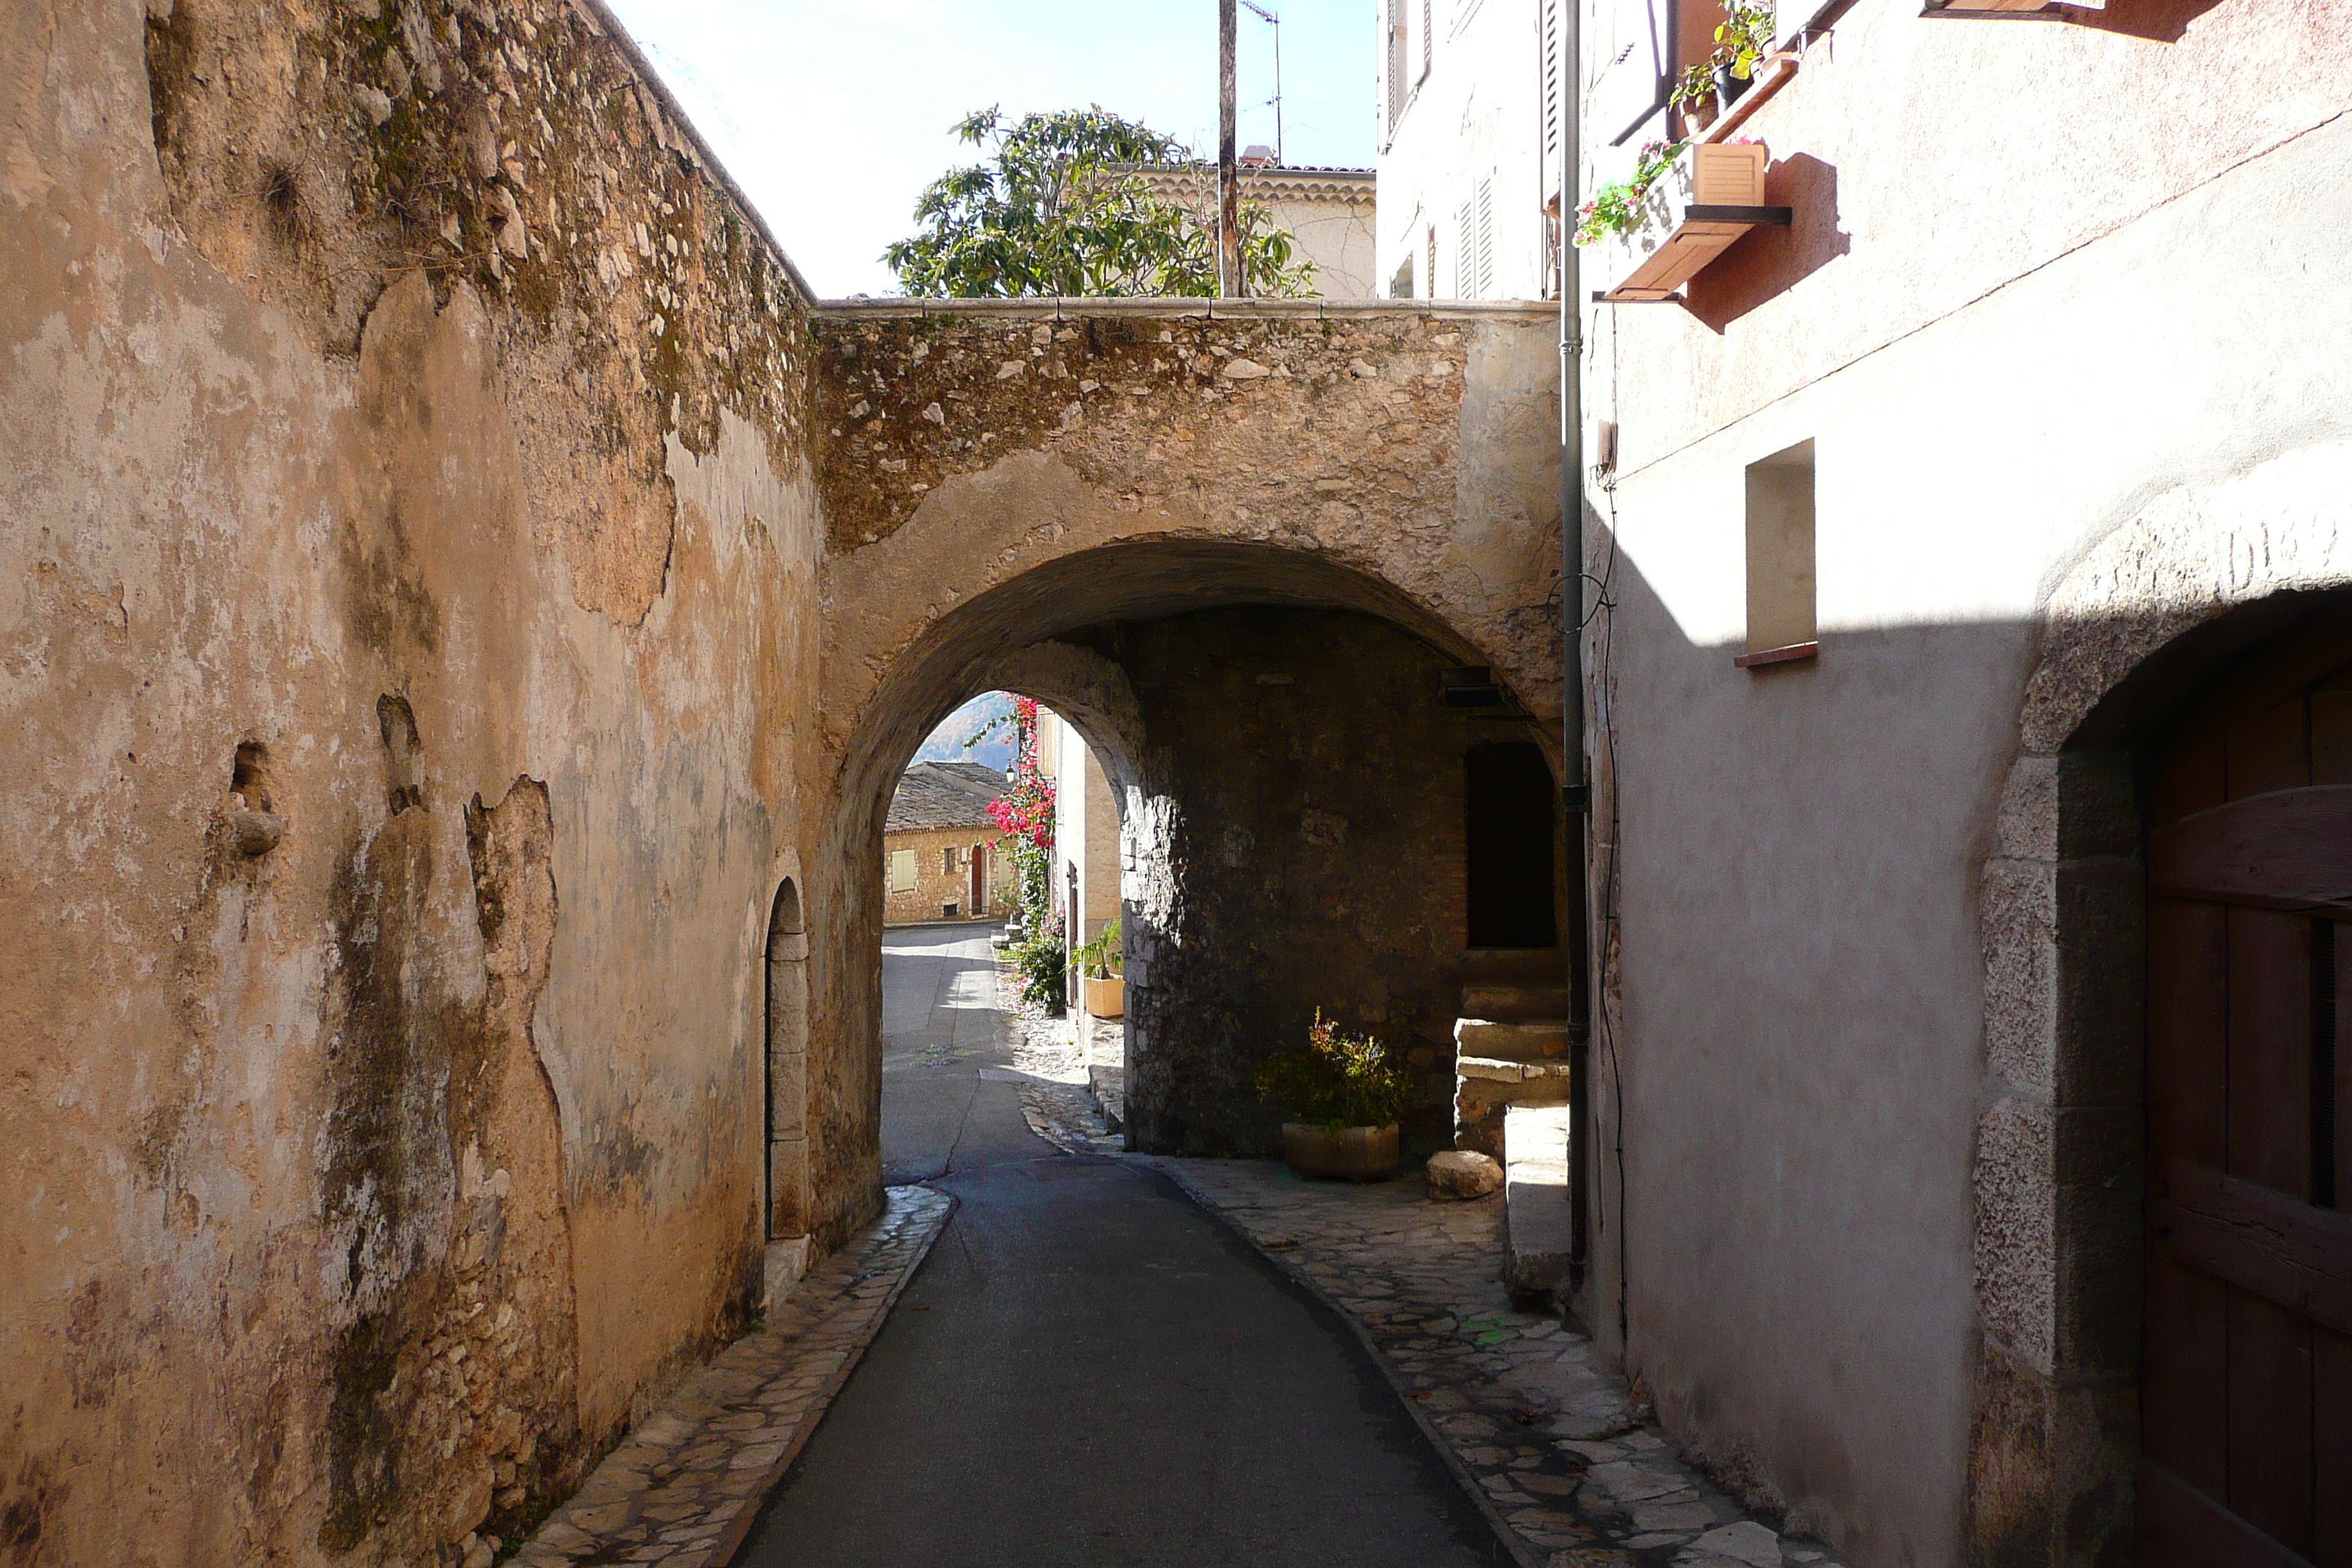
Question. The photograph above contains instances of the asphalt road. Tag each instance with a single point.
(1089, 1370)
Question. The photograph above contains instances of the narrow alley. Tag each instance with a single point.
(1088, 1368)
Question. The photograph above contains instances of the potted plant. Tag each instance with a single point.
(1708, 88)
(1344, 1099)
(1648, 237)
(1101, 965)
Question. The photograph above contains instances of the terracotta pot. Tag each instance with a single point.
(1106, 998)
(1351, 1154)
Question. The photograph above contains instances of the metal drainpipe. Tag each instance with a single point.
(1577, 793)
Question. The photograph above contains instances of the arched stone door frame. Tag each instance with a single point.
(786, 1058)
(2187, 585)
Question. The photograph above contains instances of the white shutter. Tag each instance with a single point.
(1486, 238)
(1466, 250)
(1548, 42)
(1634, 45)
(1396, 59)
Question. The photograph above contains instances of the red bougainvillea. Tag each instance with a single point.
(1025, 809)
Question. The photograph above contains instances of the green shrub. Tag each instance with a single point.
(1039, 961)
(1340, 1080)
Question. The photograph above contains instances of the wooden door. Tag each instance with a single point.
(2246, 1376)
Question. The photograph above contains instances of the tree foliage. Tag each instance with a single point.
(1055, 209)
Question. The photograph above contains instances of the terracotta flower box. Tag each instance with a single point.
(1105, 998)
(1706, 198)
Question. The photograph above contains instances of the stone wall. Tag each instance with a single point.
(1319, 787)
(455, 589)
(934, 886)
(997, 474)
(414, 564)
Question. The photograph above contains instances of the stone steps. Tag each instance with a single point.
(1485, 1088)
(1511, 1039)
(1486, 999)
(1514, 966)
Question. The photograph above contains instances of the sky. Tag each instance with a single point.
(946, 744)
(832, 117)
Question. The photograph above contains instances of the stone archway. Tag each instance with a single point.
(1140, 584)
(2197, 578)
(1000, 475)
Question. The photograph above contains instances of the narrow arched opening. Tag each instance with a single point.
(787, 1065)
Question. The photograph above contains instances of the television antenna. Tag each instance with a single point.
(1274, 21)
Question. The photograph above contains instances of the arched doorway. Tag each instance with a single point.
(2246, 1339)
(787, 1065)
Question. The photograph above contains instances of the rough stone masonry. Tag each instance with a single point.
(452, 591)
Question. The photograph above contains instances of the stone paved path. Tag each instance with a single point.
(1528, 1412)
(682, 1489)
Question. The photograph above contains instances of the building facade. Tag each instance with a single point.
(938, 846)
(1327, 211)
(1906, 1038)
(1464, 166)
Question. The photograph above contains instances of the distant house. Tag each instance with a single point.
(938, 846)
(1329, 212)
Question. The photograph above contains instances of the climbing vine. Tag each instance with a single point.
(1026, 813)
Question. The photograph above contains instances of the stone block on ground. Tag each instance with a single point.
(1539, 1218)
(1463, 1174)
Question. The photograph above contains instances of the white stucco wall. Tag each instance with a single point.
(1798, 1036)
(1473, 117)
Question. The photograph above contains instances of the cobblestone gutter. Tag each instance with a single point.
(684, 1489)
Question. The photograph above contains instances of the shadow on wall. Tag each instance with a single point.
(1877, 1036)
(2158, 21)
(1770, 260)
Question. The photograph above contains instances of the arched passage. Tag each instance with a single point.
(1290, 779)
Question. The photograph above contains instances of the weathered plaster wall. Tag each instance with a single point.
(407, 465)
(1814, 1112)
(398, 430)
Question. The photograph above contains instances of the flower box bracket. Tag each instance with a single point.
(1707, 198)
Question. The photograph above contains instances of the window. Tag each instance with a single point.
(1428, 36)
(1645, 43)
(1401, 286)
(1781, 600)
(902, 870)
(948, 862)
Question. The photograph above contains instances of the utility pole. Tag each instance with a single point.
(1229, 283)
